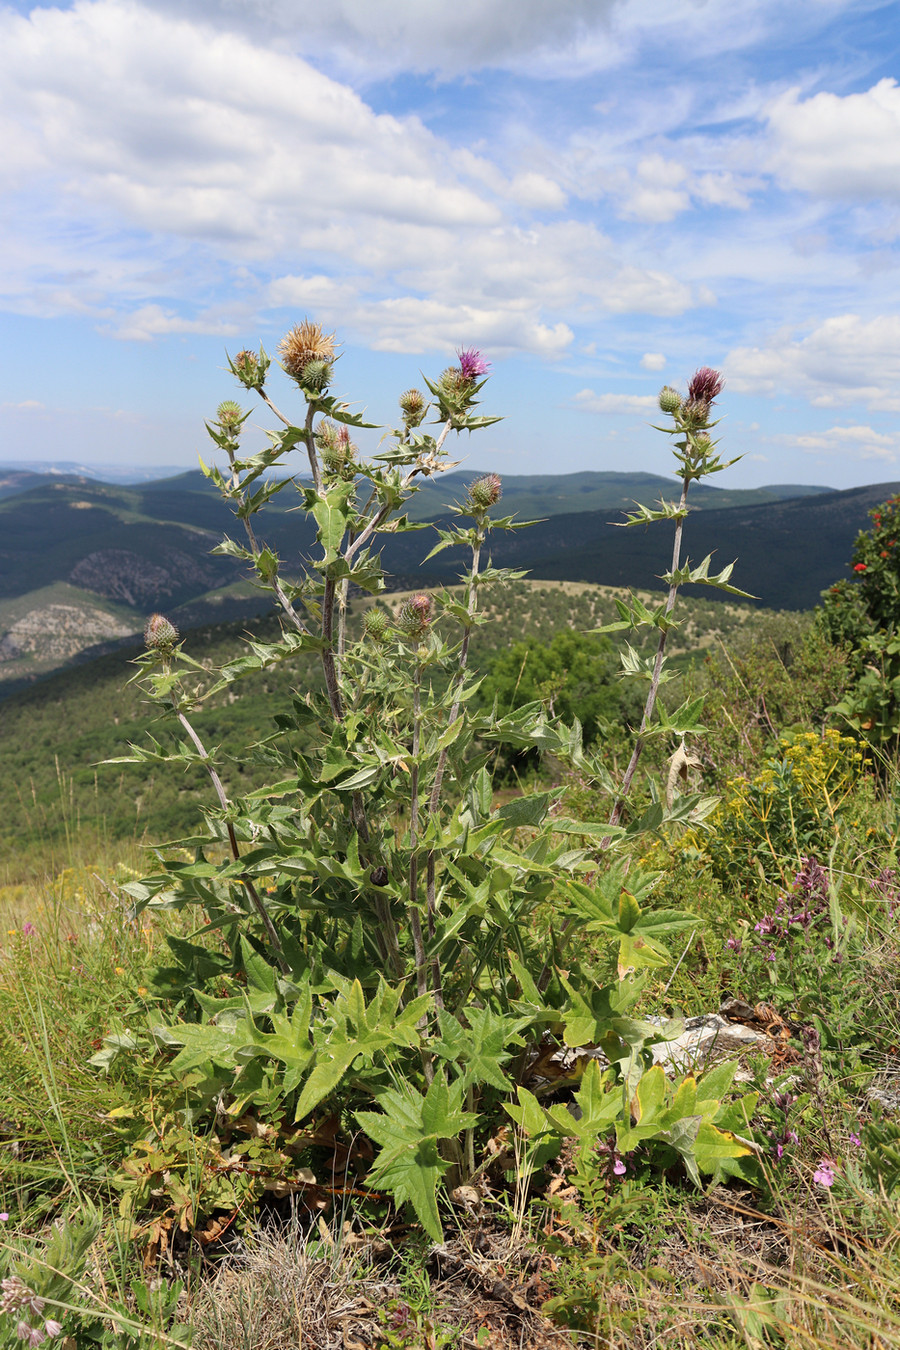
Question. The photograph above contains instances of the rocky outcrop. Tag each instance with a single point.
(131, 579)
(54, 634)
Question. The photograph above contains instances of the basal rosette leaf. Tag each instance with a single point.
(408, 1130)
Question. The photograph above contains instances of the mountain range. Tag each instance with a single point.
(83, 562)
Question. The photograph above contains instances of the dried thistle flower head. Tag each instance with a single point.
(486, 491)
(415, 616)
(669, 399)
(304, 344)
(160, 634)
(229, 415)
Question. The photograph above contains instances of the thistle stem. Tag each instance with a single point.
(641, 737)
(435, 797)
(415, 921)
(366, 534)
(235, 850)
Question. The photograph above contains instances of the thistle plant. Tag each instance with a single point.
(374, 954)
(696, 457)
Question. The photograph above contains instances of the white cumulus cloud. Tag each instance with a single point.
(843, 360)
(853, 442)
(845, 146)
(156, 158)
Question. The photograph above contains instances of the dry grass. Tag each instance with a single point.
(283, 1290)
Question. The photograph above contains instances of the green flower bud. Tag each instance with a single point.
(317, 375)
(229, 415)
(485, 492)
(160, 634)
(377, 625)
(414, 407)
(415, 616)
(669, 399)
(246, 366)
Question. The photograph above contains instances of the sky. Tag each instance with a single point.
(599, 195)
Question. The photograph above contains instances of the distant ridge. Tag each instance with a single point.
(84, 562)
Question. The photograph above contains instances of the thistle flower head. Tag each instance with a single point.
(160, 634)
(413, 406)
(303, 345)
(376, 625)
(336, 448)
(669, 399)
(249, 369)
(472, 364)
(229, 415)
(316, 375)
(705, 387)
(486, 491)
(415, 616)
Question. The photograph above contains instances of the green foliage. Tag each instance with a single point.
(375, 960)
(574, 676)
(777, 674)
(864, 614)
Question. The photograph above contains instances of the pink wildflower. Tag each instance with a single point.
(824, 1174)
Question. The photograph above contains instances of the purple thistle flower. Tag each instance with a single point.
(705, 386)
(472, 364)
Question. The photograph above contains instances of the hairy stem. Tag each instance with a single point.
(435, 797)
(235, 850)
(415, 921)
(640, 738)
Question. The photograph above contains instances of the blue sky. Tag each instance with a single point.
(601, 195)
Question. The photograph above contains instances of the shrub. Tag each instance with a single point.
(791, 808)
(864, 614)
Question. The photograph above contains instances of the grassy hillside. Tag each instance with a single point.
(54, 735)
